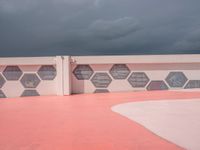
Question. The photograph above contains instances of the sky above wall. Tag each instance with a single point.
(98, 27)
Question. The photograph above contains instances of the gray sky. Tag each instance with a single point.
(97, 27)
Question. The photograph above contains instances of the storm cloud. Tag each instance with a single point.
(97, 27)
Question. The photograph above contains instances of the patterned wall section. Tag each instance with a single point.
(34, 80)
(157, 85)
(127, 77)
(101, 80)
(119, 71)
(193, 84)
(138, 79)
(83, 72)
(176, 79)
(27, 80)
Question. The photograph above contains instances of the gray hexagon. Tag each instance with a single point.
(12, 73)
(83, 72)
(119, 71)
(138, 79)
(2, 81)
(176, 79)
(157, 85)
(101, 91)
(30, 80)
(101, 80)
(2, 95)
(30, 93)
(47, 72)
(193, 84)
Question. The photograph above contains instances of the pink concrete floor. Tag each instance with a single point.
(79, 122)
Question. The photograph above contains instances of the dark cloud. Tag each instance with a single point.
(90, 27)
(113, 29)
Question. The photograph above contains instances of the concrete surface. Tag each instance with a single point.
(176, 121)
(79, 122)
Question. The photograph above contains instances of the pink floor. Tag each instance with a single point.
(79, 122)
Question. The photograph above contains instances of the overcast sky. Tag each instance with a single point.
(98, 27)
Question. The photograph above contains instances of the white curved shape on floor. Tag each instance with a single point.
(177, 121)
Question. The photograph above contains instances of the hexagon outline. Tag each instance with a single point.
(192, 84)
(27, 82)
(82, 74)
(12, 73)
(143, 81)
(2, 81)
(2, 94)
(162, 86)
(175, 82)
(101, 91)
(29, 92)
(100, 82)
(119, 74)
(47, 72)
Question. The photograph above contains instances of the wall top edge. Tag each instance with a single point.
(28, 61)
(107, 59)
(142, 59)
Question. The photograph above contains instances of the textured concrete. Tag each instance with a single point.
(79, 122)
(176, 121)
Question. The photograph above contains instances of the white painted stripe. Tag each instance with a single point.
(177, 121)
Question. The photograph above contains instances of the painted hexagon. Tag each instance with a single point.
(2, 81)
(101, 80)
(193, 84)
(138, 79)
(157, 85)
(29, 93)
(2, 95)
(30, 80)
(12, 73)
(47, 72)
(83, 72)
(101, 91)
(119, 71)
(176, 79)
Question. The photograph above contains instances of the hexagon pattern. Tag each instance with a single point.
(2, 81)
(30, 93)
(193, 84)
(30, 80)
(119, 71)
(83, 72)
(138, 79)
(101, 91)
(157, 85)
(176, 79)
(2, 95)
(47, 72)
(101, 80)
(12, 73)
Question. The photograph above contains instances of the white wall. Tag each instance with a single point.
(63, 75)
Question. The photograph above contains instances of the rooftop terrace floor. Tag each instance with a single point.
(81, 122)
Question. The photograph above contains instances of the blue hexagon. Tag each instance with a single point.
(30, 80)
(101, 80)
(119, 71)
(12, 73)
(138, 79)
(83, 72)
(157, 85)
(176, 79)
(29, 93)
(2, 81)
(47, 72)
(2, 95)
